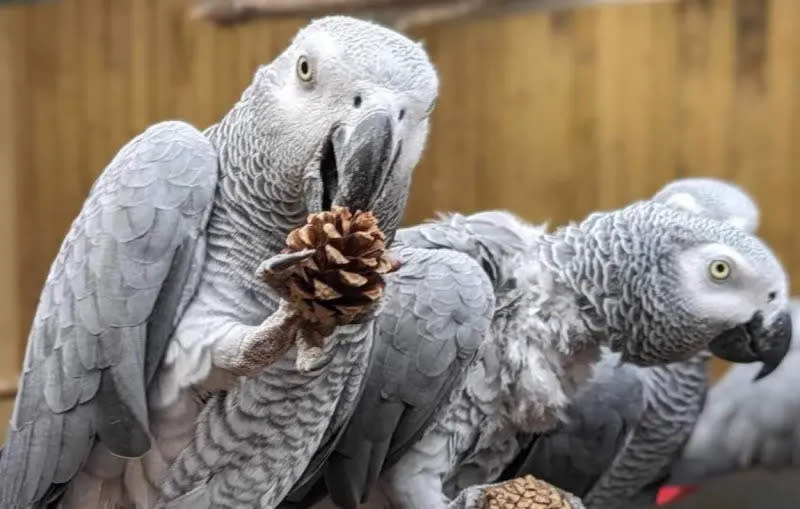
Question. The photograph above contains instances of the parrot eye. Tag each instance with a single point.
(304, 69)
(720, 270)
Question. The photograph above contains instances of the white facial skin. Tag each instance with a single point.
(721, 284)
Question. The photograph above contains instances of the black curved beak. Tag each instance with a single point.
(753, 342)
(364, 160)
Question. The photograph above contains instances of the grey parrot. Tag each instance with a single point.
(152, 303)
(628, 424)
(644, 280)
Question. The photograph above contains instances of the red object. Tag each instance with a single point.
(669, 494)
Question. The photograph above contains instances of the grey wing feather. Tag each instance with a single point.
(499, 231)
(746, 424)
(433, 235)
(107, 309)
(599, 421)
(438, 308)
(486, 236)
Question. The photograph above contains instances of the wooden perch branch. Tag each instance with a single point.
(400, 14)
(237, 11)
(433, 14)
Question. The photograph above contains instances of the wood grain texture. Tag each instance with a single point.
(11, 342)
(6, 406)
(550, 115)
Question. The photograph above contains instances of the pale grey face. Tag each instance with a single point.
(727, 284)
(741, 285)
(346, 110)
(712, 198)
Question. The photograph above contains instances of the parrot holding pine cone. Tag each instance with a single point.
(165, 327)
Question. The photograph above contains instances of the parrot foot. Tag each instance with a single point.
(265, 344)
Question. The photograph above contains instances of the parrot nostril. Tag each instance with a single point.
(771, 296)
(401, 115)
(357, 101)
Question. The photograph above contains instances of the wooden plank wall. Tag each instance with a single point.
(550, 115)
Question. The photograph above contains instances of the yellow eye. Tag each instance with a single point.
(719, 270)
(304, 69)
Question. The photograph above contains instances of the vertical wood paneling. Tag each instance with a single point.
(551, 115)
(6, 407)
(11, 343)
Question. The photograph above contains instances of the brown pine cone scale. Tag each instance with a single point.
(344, 276)
(525, 493)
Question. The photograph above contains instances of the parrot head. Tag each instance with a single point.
(712, 198)
(742, 286)
(726, 202)
(664, 284)
(341, 116)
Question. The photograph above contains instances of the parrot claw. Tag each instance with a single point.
(274, 271)
(282, 262)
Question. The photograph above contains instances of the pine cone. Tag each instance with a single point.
(342, 280)
(525, 493)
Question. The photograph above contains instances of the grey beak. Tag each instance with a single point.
(364, 160)
(753, 342)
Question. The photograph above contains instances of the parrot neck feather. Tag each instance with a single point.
(255, 209)
(615, 272)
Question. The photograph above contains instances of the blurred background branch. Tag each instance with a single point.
(400, 14)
